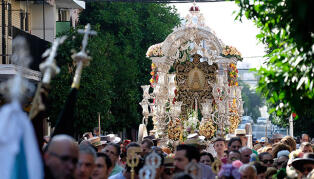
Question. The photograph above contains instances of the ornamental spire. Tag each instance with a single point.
(194, 9)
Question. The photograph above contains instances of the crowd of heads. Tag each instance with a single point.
(279, 157)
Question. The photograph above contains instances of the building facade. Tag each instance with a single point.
(39, 21)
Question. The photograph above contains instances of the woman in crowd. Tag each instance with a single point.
(207, 158)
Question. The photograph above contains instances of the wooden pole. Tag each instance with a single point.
(291, 125)
(99, 124)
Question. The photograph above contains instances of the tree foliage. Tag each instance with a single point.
(287, 28)
(111, 84)
(252, 101)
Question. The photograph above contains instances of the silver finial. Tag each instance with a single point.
(147, 172)
(17, 87)
(49, 67)
(21, 55)
(82, 59)
(153, 159)
(87, 31)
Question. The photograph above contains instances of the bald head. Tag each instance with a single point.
(61, 156)
(305, 138)
(248, 171)
(245, 154)
(61, 141)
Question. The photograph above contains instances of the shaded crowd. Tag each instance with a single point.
(108, 157)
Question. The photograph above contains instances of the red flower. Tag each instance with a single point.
(175, 92)
(157, 78)
(174, 100)
(294, 115)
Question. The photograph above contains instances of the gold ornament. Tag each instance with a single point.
(207, 128)
(174, 129)
(235, 121)
(216, 166)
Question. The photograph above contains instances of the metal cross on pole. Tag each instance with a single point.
(21, 54)
(49, 67)
(17, 87)
(82, 59)
(87, 31)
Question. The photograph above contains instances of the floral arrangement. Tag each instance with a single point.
(231, 170)
(174, 129)
(296, 154)
(154, 75)
(191, 125)
(230, 51)
(155, 51)
(175, 99)
(207, 128)
(233, 75)
(235, 121)
(237, 164)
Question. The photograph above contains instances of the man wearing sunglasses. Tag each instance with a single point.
(61, 157)
(304, 165)
(266, 159)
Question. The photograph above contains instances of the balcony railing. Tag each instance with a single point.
(62, 26)
(37, 47)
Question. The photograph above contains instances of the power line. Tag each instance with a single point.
(254, 57)
(156, 1)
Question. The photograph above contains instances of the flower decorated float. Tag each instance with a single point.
(194, 83)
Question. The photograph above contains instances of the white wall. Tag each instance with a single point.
(50, 21)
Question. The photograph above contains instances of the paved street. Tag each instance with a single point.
(259, 130)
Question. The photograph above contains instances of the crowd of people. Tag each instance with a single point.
(101, 157)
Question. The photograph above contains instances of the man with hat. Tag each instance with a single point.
(276, 138)
(262, 141)
(242, 134)
(95, 141)
(196, 140)
(304, 165)
(114, 139)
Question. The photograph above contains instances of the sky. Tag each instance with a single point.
(220, 18)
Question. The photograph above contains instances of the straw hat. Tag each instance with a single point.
(308, 158)
(113, 138)
(95, 141)
(240, 132)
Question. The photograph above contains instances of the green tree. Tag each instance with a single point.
(252, 101)
(111, 84)
(286, 27)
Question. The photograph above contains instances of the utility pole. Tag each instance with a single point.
(291, 125)
(3, 32)
(44, 22)
(266, 128)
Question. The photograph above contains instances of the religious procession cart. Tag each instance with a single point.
(194, 87)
